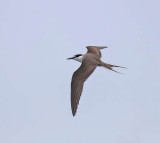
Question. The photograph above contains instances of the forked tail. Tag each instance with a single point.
(109, 66)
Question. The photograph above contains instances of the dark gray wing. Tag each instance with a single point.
(95, 50)
(78, 79)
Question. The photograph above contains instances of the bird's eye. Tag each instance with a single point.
(77, 55)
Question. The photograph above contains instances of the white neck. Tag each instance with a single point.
(79, 59)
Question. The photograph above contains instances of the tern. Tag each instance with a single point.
(89, 63)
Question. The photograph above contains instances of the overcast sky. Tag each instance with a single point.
(37, 36)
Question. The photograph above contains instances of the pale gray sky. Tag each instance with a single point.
(37, 36)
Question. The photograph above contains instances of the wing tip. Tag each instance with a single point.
(73, 113)
(98, 46)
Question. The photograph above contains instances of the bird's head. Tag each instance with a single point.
(77, 57)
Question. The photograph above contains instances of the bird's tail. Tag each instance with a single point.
(110, 67)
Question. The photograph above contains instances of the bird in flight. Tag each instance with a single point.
(89, 63)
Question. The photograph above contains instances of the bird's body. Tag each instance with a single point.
(89, 61)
